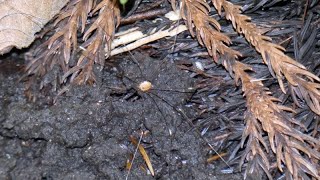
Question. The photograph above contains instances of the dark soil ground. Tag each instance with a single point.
(193, 110)
(86, 133)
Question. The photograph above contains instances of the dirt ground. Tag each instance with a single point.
(86, 133)
(193, 111)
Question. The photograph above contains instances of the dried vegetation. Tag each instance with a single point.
(263, 114)
(270, 128)
(62, 49)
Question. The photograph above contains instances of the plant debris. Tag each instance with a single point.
(143, 153)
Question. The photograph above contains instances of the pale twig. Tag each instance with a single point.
(153, 37)
(134, 155)
(134, 38)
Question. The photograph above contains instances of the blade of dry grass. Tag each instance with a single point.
(216, 157)
(143, 153)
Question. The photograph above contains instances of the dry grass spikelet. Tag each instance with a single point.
(62, 48)
(196, 13)
(99, 34)
(305, 85)
(291, 147)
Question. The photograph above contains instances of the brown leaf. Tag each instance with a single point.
(20, 20)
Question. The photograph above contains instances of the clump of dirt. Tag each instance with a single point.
(85, 135)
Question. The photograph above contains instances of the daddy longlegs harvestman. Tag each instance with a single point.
(146, 88)
(143, 85)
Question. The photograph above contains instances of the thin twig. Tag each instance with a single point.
(134, 155)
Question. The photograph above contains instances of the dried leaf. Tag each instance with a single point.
(20, 20)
